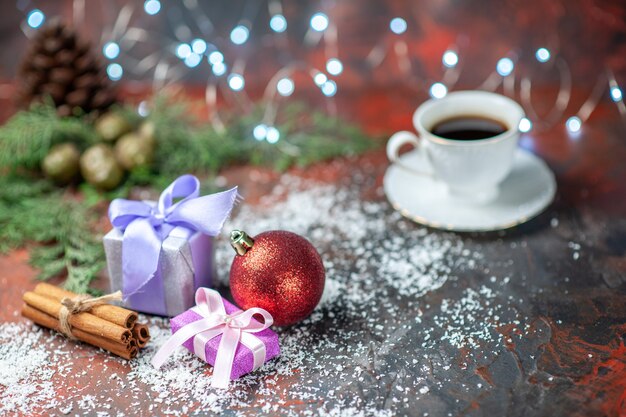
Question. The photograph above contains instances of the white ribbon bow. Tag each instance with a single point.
(235, 328)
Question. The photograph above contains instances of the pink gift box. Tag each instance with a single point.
(244, 359)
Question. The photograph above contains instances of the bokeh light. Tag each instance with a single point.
(525, 125)
(239, 35)
(142, 109)
(319, 22)
(616, 94)
(35, 18)
(438, 90)
(398, 25)
(285, 87)
(542, 55)
(574, 124)
(450, 59)
(273, 135)
(115, 71)
(193, 60)
(320, 78)
(236, 82)
(198, 46)
(183, 50)
(329, 88)
(334, 66)
(219, 68)
(278, 23)
(152, 7)
(111, 50)
(215, 57)
(505, 66)
(260, 132)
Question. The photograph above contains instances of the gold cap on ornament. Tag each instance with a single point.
(240, 241)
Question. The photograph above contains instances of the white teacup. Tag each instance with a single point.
(471, 169)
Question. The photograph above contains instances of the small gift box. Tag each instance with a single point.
(159, 253)
(223, 335)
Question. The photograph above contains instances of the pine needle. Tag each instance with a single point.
(306, 136)
(27, 137)
(33, 211)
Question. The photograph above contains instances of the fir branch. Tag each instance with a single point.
(307, 137)
(27, 137)
(33, 211)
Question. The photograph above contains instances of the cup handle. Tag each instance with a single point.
(393, 147)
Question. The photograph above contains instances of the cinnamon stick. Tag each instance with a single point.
(124, 350)
(84, 321)
(114, 314)
(141, 333)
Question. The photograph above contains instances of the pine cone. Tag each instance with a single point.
(62, 66)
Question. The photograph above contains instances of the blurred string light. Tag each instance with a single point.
(215, 57)
(193, 53)
(525, 125)
(285, 87)
(111, 50)
(183, 50)
(329, 88)
(560, 104)
(278, 23)
(450, 59)
(398, 25)
(219, 68)
(236, 82)
(573, 124)
(35, 18)
(320, 78)
(263, 132)
(334, 66)
(198, 46)
(143, 109)
(542, 55)
(115, 71)
(616, 94)
(438, 90)
(505, 66)
(193, 60)
(260, 132)
(273, 135)
(319, 22)
(239, 35)
(152, 7)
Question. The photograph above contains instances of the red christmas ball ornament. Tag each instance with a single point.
(278, 271)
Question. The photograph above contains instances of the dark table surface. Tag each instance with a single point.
(415, 321)
(528, 321)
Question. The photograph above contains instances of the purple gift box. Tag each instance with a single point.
(160, 252)
(186, 263)
(244, 359)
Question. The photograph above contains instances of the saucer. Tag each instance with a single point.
(529, 188)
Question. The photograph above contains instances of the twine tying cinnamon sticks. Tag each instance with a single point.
(78, 304)
(90, 320)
